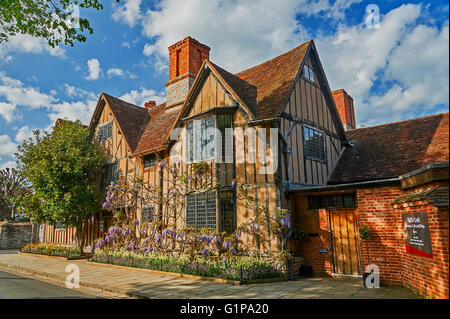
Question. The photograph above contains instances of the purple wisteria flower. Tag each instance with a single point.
(204, 251)
(162, 164)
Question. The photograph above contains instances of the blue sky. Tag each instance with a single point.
(394, 72)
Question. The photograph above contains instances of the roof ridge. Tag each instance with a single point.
(282, 54)
(131, 104)
(397, 122)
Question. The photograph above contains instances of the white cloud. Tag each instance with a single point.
(24, 133)
(128, 13)
(7, 147)
(74, 92)
(139, 97)
(94, 69)
(241, 33)
(28, 44)
(401, 57)
(115, 72)
(7, 111)
(15, 93)
(9, 164)
(78, 110)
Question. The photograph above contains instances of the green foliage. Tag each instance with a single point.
(364, 233)
(48, 19)
(12, 185)
(298, 232)
(61, 167)
(51, 250)
(226, 268)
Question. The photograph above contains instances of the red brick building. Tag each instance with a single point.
(388, 171)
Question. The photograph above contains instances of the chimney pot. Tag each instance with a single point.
(150, 104)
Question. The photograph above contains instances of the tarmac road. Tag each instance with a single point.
(16, 287)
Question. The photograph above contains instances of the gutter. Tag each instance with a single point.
(394, 180)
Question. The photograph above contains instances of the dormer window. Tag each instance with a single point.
(104, 132)
(308, 73)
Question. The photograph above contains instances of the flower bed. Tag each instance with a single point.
(51, 250)
(240, 268)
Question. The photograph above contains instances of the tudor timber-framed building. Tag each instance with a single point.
(328, 172)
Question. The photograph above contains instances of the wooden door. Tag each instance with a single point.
(345, 242)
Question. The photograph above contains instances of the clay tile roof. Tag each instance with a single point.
(437, 196)
(273, 80)
(244, 90)
(391, 150)
(157, 129)
(131, 119)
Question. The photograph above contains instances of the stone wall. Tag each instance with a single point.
(14, 235)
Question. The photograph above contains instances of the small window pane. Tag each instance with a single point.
(314, 146)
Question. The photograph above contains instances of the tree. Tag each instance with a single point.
(63, 168)
(52, 20)
(11, 185)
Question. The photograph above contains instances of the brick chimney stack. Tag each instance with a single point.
(185, 60)
(150, 104)
(344, 104)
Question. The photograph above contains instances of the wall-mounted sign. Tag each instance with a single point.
(323, 250)
(417, 234)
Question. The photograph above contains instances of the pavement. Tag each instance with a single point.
(110, 282)
(17, 287)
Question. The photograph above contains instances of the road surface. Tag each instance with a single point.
(16, 287)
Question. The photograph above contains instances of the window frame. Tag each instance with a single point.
(101, 129)
(308, 72)
(329, 201)
(212, 214)
(153, 161)
(152, 208)
(115, 174)
(192, 139)
(306, 152)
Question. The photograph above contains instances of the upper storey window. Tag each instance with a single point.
(149, 160)
(308, 73)
(200, 139)
(314, 143)
(104, 132)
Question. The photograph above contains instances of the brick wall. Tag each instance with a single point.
(386, 243)
(386, 247)
(315, 222)
(14, 235)
(428, 276)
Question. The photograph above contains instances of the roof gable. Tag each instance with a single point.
(391, 150)
(274, 80)
(129, 118)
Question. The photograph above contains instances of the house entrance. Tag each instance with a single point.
(345, 242)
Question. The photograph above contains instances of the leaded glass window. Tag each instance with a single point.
(201, 210)
(104, 132)
(332, 201)
(200, 139)
(147, 214)
(314, 143)
(308, 73)
(227, 212)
